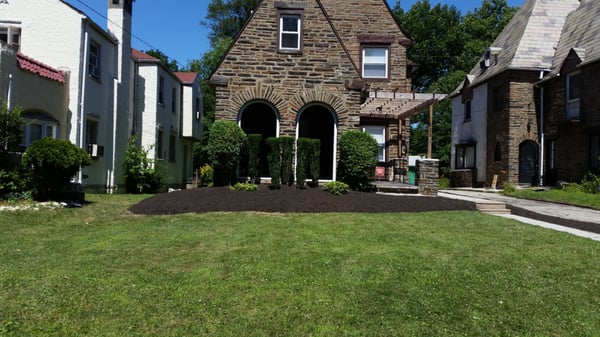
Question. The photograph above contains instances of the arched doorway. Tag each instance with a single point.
(260, 118)
(528, 165)
(319, 122)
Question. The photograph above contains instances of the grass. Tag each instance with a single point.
(100, 271)
(565, 196)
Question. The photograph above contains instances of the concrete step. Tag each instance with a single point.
(492, 207)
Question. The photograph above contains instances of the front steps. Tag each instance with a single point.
(492, 207)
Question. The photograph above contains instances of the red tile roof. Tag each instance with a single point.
(37, 67)
(141, 56)
(186, 77)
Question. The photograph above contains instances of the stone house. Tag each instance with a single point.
(495, 111)
(102, 91)
(318, 68)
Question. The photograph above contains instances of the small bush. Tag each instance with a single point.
(206, 176)
(246, 187)
(508, 188)
(336, 187)
(53, 162)
(444, 183)
(590, 183)
(142, 174)
(358, 158)
(224, 148)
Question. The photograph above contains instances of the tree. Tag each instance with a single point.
(225, 18)
(11, 131)
(171, 64)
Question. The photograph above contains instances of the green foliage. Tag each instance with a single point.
(590, 183)
(508, 188)
(171, 64)
(142, 175)
(358, 158)
(253, 145)
(11, 132)
(336, 187)
(274, 159)
(225, 18)
(314, 161)
(15, 180)
(224, 149)
(287, 160)
(53, 162)
(245, 187)
(303, 149)
(206, 176)
(444, 183)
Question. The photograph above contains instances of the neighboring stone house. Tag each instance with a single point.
(495, 124)
(318, 68)
(571, 99)
(101, 102)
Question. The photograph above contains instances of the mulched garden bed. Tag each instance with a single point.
(291, 200)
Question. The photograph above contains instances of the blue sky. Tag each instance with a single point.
(173, 26)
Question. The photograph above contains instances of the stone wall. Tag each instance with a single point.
(428, 176)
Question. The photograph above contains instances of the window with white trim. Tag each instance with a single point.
(38, 129)
(10, 34)
(375, 62)
(573, 96)
(290, 31)
(95, 60)
(378, 133)
(465, 156)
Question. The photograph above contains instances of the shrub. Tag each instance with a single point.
(336, 187)
(590, 183)
(274, 159)
(246, 187)
(508, 188)
(253, 146)
(206, 176)
(314, 161)
(358, 158)
(302, 161)
(11, 132)
(287, 159)
(224, 148)
(53, 162)
(142, 174)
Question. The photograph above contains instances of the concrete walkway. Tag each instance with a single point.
(554, 214)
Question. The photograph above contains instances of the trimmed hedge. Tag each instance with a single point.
(224, 148)
(358, 158)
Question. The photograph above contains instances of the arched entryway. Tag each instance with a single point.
(317, 121)
(528, 162)
(260, 117)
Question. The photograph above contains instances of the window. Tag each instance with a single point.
(595, 151)
(173, 100)
(290, 31)
(95, 60)
(468, 111)
(172, 140)
(573, 96)
(378, 133)
(159, 145)
(375, 62)
(91, 131)
(465, 156)
(499, 99)
(551, 160)
(198, 115)
(10, 34)
(498, 152)
(38, 129)
(161, 90)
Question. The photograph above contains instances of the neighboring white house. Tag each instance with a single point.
(104, 90)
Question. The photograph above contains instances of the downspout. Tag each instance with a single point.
(83, 81)
(9, 94)
(541, 131)
(111, 175)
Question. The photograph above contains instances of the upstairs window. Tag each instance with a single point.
(468, 111)
(375, 62)
(173, 100)
(290, 31)
(573, 96)
(95, 60)
(161, 90)
(10, 34)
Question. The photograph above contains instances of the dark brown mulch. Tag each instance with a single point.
(290, 199)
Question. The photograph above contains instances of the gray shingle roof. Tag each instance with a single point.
(529, 40)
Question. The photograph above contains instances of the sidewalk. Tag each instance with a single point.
(578, 221)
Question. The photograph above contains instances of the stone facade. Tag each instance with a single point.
(428, 176)
(322, 80)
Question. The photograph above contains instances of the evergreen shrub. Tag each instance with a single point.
(224, 148)
(357, 158)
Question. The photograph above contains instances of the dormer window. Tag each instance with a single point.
(290, 31)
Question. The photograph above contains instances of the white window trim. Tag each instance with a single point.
(382, 153)
(282, 32)
(12, 30)
(386, 64)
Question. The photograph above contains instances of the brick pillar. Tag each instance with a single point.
(427, 176)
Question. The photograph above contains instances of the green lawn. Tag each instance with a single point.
(99, 271)
(558, 195)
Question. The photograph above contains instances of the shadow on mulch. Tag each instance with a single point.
(291, 200)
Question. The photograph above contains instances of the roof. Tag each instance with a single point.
(141, 56)
(529, 40)
(39, 68)
(186, 77)
(581, 35)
